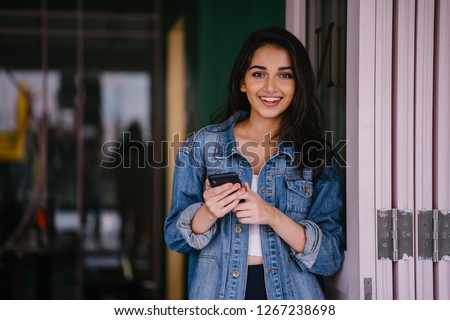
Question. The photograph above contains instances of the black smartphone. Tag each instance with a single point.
(221, 178)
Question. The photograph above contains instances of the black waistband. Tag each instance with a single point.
(256, 288)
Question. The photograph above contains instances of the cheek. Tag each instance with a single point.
(289, 91)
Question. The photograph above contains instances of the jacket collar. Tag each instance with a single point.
(227, 141)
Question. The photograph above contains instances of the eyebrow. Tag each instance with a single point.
(264, 68)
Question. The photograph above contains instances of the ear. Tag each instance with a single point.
(243, 89)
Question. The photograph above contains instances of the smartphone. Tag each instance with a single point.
(221, 178)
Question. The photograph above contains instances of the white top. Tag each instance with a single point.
(254, 239)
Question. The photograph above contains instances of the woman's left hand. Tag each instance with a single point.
(254, 210)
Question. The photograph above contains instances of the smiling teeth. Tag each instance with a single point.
(271, 99)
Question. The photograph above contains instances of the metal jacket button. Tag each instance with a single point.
(238, 229)
(235, 273)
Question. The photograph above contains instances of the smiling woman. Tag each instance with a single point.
(274, 234)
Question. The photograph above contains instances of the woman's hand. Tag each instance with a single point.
(254, 210)
(218, 202)
(222, 199)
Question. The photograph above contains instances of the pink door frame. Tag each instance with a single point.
(441, 173)
(403, 133)
(383, 132)
(423, 152)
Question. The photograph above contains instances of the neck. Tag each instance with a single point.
(248, 131)
(260, 129)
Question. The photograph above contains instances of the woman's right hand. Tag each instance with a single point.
(218, 201)
(222, 199)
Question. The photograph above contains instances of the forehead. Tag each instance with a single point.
(270, 54)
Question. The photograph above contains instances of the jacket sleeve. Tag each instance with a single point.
(323, 253)
(187, 197)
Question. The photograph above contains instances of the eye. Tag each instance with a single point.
(258, 74)
(285, 76)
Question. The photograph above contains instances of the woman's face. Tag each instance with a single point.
(269, 82)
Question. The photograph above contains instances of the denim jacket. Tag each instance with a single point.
(218, 257)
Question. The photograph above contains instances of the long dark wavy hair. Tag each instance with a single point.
(301, 123)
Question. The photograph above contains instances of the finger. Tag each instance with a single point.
(232, 188)
(243, 205)
(220, 211)
(248, 189)
(220, 204)
(221, 207)
(244, 218)
(230, 207)
(247, 216)
(208, 185)
(218, 192)
(242, 214)
(242, 194)
(233, 196)
(223, 189)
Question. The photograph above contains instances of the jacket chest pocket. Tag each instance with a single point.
(298, 197)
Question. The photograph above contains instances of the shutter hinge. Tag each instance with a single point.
(434, 234)
(395, 234)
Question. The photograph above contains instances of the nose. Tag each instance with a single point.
(270, 84)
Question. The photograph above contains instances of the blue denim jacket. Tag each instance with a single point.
(218, 257)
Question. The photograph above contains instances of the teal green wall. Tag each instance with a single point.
(222, 28)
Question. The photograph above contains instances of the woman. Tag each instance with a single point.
(275, 235)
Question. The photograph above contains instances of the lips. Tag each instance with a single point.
(270, 101)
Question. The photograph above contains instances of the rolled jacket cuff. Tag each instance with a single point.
(197, 241)
(312, 245)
